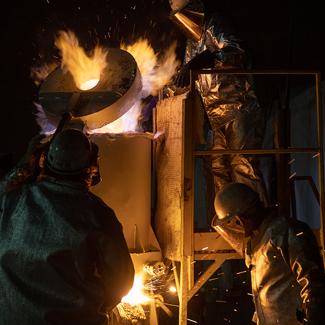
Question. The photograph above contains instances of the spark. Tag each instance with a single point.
(168, 304)
(193, 262)
(193, 321)
(293, 175)
(249, 294)
(204, 248)
(291, 161)
(316, 155)
(241, 272)
(172, 289)
(299, 234)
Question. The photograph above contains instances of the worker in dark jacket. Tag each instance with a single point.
(63, 256)
(282, 254)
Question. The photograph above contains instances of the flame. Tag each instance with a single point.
(136, 296)
(155, 71)
(86, 70)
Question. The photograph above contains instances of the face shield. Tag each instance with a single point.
(189, 17)
(232, 230)
(232, 201)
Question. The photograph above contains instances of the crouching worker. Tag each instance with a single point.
(63, 256)
(282, 255)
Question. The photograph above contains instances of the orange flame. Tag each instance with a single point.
(155, 72)
(86, 70)
(136, 295)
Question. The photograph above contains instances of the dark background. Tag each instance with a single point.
(277, 34)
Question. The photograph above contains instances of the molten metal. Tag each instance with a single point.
(136, 296)
(83, 68)
(89, 84)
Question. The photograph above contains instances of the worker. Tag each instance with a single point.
(63, 256)
(235, 117)
(282, 254)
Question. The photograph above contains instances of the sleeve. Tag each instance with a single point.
(220, 39)
(114, 262)
(307, 266)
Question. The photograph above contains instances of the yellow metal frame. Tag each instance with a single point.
(189, 241)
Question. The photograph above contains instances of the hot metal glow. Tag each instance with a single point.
(89, 84)
(155, 73)
(84, 68)
(136, 296)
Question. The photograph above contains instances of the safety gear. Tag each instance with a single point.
(69, 153)
(233, 200)
(189, 17)
(63, 256)
(236, 119)
(182, 78)
(287, 274)
(27, 169)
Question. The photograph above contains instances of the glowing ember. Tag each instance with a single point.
(39, 74)
(89, 84)
(172, 289)
(136, 295)
(84, 69)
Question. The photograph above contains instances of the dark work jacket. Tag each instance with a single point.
(287, 273)
(63, 256)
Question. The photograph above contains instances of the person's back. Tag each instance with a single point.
(63, 256)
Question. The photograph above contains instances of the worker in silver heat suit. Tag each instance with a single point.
(231, 106)
(63, 256)
(282, 254)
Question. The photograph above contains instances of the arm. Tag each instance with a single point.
(27, 168)
(114, 262)
(307, 266)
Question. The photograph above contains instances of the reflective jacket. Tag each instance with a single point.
(287, 273)
(63, 256)
(224, 95)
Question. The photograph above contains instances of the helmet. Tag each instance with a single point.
(69, 153)
(233, 200)
(189, 16)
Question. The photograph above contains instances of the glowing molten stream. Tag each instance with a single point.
(136, 296)
(89, 84)
(86, 70)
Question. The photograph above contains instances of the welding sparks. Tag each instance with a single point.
(84, 69)
(136, 295)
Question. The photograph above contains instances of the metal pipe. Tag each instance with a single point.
(320, 159)
(258, 72)
(255, 151)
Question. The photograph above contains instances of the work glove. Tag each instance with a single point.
(182, 78)
(27, 168)
(34, 150)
